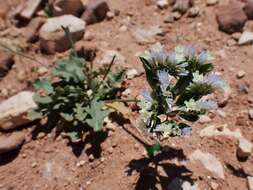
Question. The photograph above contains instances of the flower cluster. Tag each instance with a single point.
(180, 82)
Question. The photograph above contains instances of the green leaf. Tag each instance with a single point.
(42, 99)
(74, 136)
(70, 70)
(80, 113)
(44, 84)
(151, 150)
(97, 114)
(68, 117)
(34, 114)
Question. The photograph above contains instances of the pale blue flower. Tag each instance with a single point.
(158, 57)
(215, 81)
(186, 131)
(146, 95)
(190, 51)
(164, 79)
(207, 105)
(170, 104)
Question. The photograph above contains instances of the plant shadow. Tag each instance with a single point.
(149, 168)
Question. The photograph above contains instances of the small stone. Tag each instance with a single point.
(204, 119)
(132, 73)
(91, 158)
(209, 161)
(231, 18)
(123, 28)
(13, 111)
(29, 9)
(182, 6)
(126, 92)
(95, 11)
(250, 182)
(176, 15)
(236, 36)
(231, 42)
(214, 185)
(193, 12)
(11, 142)
(63, 7)
(52, 36)
(244, 148)
(41, 135)
(240, 74)
(110, 15)
(88, 36)
(211, 2)
(162, 4)
(246, 38)
(34, 164)
(251, 114)
(108, 55)
(169, 18)
(42, 71)
(110, 150)
(221, 113)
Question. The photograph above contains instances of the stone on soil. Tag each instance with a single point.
(29, 9)
(95, 11)
(231, 17)
(63, 7)
(180, 184)
(146, 35)
(211, 2)
(162, 4)
(11, 142)
(250, 182)
(209, 161)
(193, 12)
(248, 8)
(52, 36)
(244, 148)
(182, 5)
(246, 38)
(13, 111)
(251, 114)
(108, 56)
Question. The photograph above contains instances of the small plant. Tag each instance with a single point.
(180, 83)
(74, 99)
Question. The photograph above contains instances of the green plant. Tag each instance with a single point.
(74, 101)
(180, 83)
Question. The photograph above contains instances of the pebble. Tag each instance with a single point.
(231, 42)
(244, 148)
(34, 164)
(110, 15)
(132, 73)
(123, 28)
(193, 12)
(211, 2)
(250, 182)
(214, 185)
(221, 113)
(169, 18)
(177, 15)
(251, 114)
(91, 158)
(162, 4)
(236, 36)
(246, 38)
(204, 119)
(108, 56)
(240, 74)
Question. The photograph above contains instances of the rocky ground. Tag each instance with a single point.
(217, 156)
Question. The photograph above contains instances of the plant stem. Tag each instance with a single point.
(8, 49)
(109, 67)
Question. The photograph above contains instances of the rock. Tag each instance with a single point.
(52, 36)
(214, 185)
(204, 119)
(110, 15)
(250, 182)
(169, 18)
(11, 142)
(146, 35)
(29, 9)
(162, 4)
(193, 12)
(251, 114)
(231, 18)
(132, 73)
(31, 31)
(86, 49)
(248, 8)
(182, 5)
(63, 7)
(6, 63)
(211, 2)
(180, 184)
(108, 56)
(231, 42)
(236, 36)
(209, 161)
(240, 74)
(13, 111)
(176, 15)
(95, 11)
(244, 148)
(246, 38)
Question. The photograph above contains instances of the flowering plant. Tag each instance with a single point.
(180, 83)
